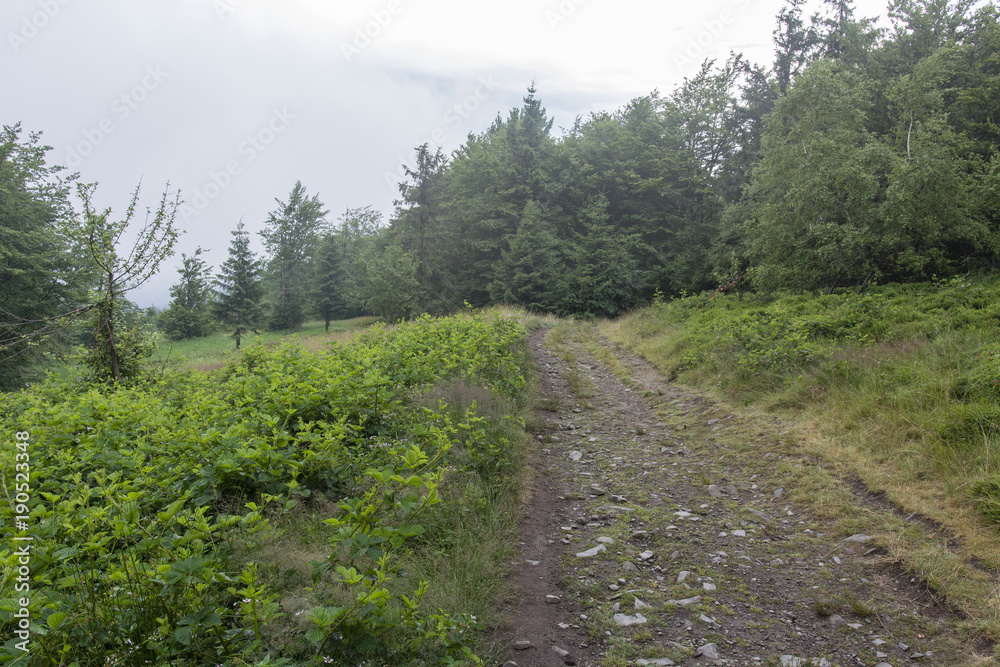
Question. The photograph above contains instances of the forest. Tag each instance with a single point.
(861, 155)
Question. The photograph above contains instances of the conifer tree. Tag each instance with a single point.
(532, 272)
(238, 287)
(290, 236)
(329, 284)
(189, 314)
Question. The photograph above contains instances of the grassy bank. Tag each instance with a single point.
(898, 388)
(304, 504)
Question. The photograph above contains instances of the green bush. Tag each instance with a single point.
(138, 494)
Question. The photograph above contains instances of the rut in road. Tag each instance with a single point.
(659, 532)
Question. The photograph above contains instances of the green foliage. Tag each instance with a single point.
(134, 343)
(152, 476)
(290, 237)
(119, 272)
(388, 285)
(532, 272)
(607, 276)
(189, 313)
(238, 287)
(916, 364)
(41, 277)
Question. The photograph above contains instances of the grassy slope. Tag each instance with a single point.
(898, 388)
(211, 352)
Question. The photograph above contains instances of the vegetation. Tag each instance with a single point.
(189, 314)
(238, 288)
(406, 442)
(290, 236)
(904, 377)
(860, 156)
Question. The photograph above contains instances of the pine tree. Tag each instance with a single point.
(290, 236)
(607, 279)
(532, 272)
(238, 287)
(418, 222)
(189, 314)
(42, 281)
(329, 297)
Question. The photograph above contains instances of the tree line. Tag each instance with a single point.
(860, 155)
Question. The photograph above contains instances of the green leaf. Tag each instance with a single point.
(54, 620)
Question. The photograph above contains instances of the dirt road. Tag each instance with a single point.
(660, 532)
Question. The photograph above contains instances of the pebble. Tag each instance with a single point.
(575, 456)
(682, 576)
(793, 661)
(606, 540)
(522, 645)
(709, 621)
(590, 553)
(639, 604)
(629, 566)
(625, 621)
(662, 662)
(686, 601)
(510, 663)
(778, 493)
(646, 555)
(708, 651)
(708, 587)
(552, 599)
(860, 538)
(715, 491)
(739, 533)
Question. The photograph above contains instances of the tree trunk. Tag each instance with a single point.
(110, 324)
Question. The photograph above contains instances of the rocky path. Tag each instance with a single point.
(659, 532)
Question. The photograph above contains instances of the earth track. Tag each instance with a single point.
(670, 483)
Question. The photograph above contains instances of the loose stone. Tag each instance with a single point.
(590, 553)
(625, 621)
(686, 601)
(708, 651)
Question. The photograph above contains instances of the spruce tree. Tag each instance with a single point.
(532, 272)
(238, 287)
(290, 236)
(329, 285)
(189, 314)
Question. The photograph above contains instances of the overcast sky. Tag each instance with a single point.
(232, 101)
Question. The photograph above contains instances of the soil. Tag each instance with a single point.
(669, 483)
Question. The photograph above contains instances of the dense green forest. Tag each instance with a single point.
(861, 155)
